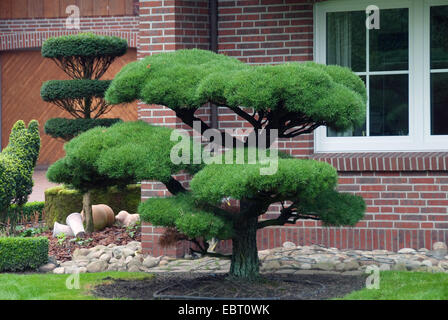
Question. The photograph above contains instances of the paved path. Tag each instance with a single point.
(40, 185)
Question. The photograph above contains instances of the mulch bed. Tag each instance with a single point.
(191, 286)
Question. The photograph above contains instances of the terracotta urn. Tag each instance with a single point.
(103, 216)
(74, 221)
(127, 219)
(59, 228)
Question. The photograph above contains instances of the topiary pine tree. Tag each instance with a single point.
(17, 162)
(84, 57)
(293, 98)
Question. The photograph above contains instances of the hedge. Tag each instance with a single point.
(73, 89)
(16, 213)
(84, 44)
(18, 254)
(70, 128)
(61, 201)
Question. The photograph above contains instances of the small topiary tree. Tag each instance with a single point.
(292, 98)
(17, 162)
(85, 57)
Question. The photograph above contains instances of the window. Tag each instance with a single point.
(404, 65)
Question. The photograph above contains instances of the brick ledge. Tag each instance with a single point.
(386, 161)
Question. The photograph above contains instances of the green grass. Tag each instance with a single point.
(403, 285)
(53, 286)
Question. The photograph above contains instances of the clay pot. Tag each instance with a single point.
(103, 216)
(74, 221)
(62, 228)
(127, 219)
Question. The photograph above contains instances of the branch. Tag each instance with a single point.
(174, 186)
(249, 118)
(287, 215)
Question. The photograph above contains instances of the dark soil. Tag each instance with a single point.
(191, 286)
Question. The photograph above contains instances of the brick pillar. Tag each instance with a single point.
(167, 26)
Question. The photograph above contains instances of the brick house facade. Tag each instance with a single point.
(406, 190)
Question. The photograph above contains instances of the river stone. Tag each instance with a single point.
(351, 265)
(128, 259)
(47, 267)
(384, 267)
(289, 245)
(406, 251)
(426, 263)
(82, 270)
(80, 258)
(443, 265)
(133, 268)
(112, 267)
(117, 252)
(305, 266)
(82, 263)
(439, 249)
(80, 252)
(126, 252)
(95, 254)
(59, 270)
(271, 265)
(326, 266)
(106, 257)
(151, 262)
(97, 266)
(163, 262)
(399, 267)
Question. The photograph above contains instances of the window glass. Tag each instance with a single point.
(439, 70)
(349, 44)
(346, 45)
(439, 103)
(389, 105)
(439, 37)
(389, 45)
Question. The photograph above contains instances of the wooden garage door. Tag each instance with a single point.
(22, 75)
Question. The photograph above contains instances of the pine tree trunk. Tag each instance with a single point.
(244, 250)
(87, 208)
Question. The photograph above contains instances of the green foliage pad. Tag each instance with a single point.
(18, 254)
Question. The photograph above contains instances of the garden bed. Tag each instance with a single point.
(63, 252)
(197, 286)
(62, 248)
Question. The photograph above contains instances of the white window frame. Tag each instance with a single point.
(419, 138)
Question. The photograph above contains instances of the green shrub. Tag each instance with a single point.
(70, 128)
(17, 163)
(61, 201)
(53, 90)
(18, 254)
(85, 45)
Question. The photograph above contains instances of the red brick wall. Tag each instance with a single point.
(30, 33)
(406, 193)
(266, 31)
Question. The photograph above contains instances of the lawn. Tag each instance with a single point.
(53, 286)
(396, 285)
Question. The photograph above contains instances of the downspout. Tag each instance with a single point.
(213, 19)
